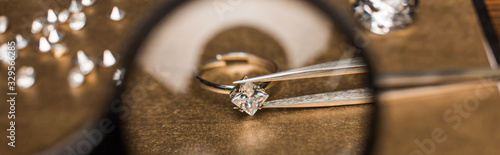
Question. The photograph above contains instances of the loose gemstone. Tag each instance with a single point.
(37, 25)
(75, 6)
(107, 59)
(77, 21)
(4, 54)
(88, 2)
(63, 16)
(248, 97)
(55, 36)
(47, 29)
(51, 16)
(44, 45)
(59, 50)
(116, 14)
(4, 23)
(118, 76)
(75, 78)
(383, 16)
(21, 42)
(26, 77)
(84, 62)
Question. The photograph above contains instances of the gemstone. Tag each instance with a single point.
(383, 16)
(84, 62)
(77, 21)
(47, 29)
(118, 76)
(107, 59)
(248, 97)
(55, 36)
(4, 22)
(4, 53)
(51, 16)
(88, 2)
(75, 78)
(75, 6)
(21, 42)
(59, 50)
(44, 45)
(116, 14)
(37, 25)
(26, 76)
(63, 16)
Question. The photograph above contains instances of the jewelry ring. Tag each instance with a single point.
(248, 97)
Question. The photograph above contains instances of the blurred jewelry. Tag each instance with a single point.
(248, 97)
(383, 16)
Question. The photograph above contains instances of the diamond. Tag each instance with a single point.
(4, 22)
(44, 45)
(48, 28)
(75, 6)
(21, 42)
(88, 2)
(63, 16)
(116, 14)
(51, 16)
(4, 54)
(118, 76)
(26, 76)
(84, 62)
(55, 36)
(59, 50)
(37, 25)
(248, 97)
(75, 78)
(383, 16)
(77, 21)
(107, 59)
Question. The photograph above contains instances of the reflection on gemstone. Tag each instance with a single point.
(51, 16)
(75, 78)
(75, 6)
(4, 22)
(37, 25)
(55, 36)
(59, 50)
(88, 2)
(107, 59)
(383, 16)
(21, 42)
(116, 14)
(77, 21)
(44, 45)
(84, 62)
(63, 16)
(26, 77)
(248, 97)
(118, 76)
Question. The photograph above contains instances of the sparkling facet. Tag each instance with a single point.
(26, 76)
(383, 16)
(59, 50)
(248, 97)
(77, 21)
(55, 36)
(84, 62)
(21, 42)
(75, 78)
(116, 14)
(44, 45)
(75, 6)
(38, 25)
(63, 16)
(118, 76)
(107, 59)
(4, 54)
(88, 2)
(4, 23)
(51, 16)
